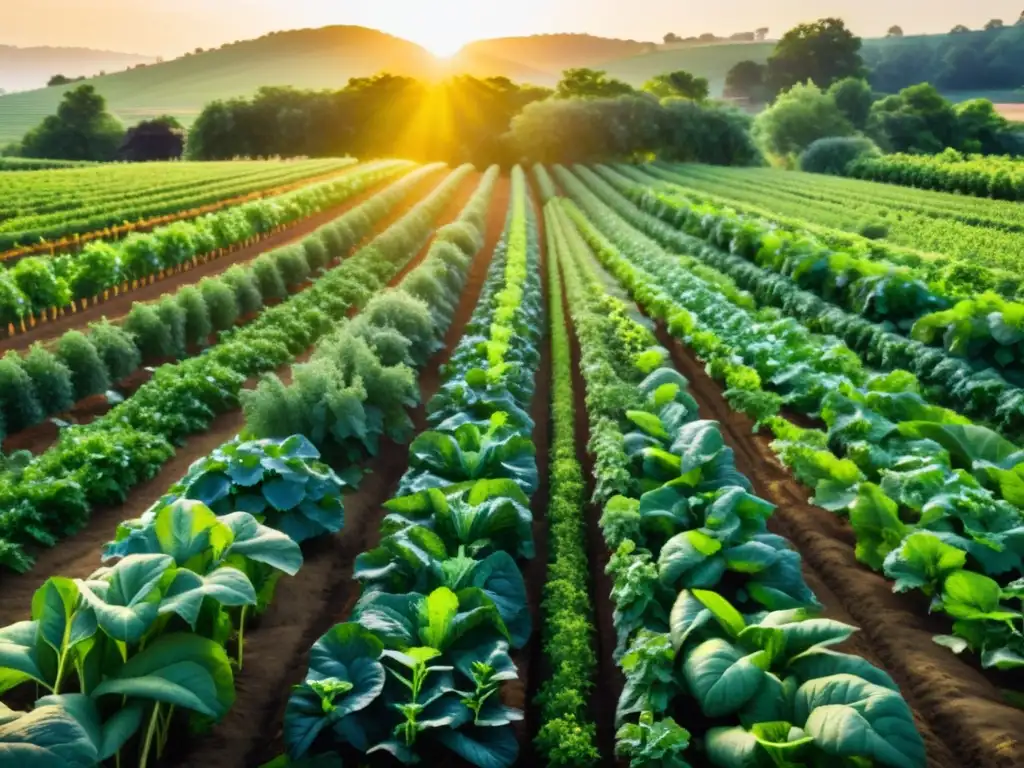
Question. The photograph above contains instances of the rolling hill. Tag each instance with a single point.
(328, 57)
(25, 68)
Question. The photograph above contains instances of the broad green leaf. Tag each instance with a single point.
(649, 423)
(684, 552)
(732, 747)
(46, 737)
(688, 615)
(107, 738)
(482, 747)
(228, 586)
(923, 561)
(185, 670)
(731, 620)
(19, 660)
(697, 443)
(284, 494)
(875, 519)
(262, 544)
(721, 677)
(972, 596)
(966, 443)
(186, 528)
(129, 603)
(437, 612)
(850, 717)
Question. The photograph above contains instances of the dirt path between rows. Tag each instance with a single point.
(79, 555)
(118, 306)
(323, 592)
(530, 659)
(959, 713)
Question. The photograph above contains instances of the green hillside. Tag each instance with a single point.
(712, 61)
(313, 58)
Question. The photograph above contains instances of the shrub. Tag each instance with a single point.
(41, 286)
(152, 336)
(334, 237)
(18, 401)
(798, 118)
(292, 264)
(13, 304)
(833, 154)
(51, 379)
(172, 315)
(466, 237)
(397, 310)
(246, 288)
(316, 253)
(268, 277)
(220, 302)
(197, 317)
(94, 270)
(88, 373)
(116, 349)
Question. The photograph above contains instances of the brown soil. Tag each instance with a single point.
(79, 555)
(118, 306)
(323, 592)
(958, 711)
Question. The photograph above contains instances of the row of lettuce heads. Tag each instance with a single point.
(418, 667)
(50, 378)
(933, 500)
(144, 639)
(710, 608)
(98, 464)
(37, 284)
(983, 330)
(67, 205)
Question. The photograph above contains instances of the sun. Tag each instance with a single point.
(444, 42)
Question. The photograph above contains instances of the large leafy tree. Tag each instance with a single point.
(82, 129)
(746, 80)
(590, 84)
(854, 98)
(799, 117)
(681, 83)
(823, 52)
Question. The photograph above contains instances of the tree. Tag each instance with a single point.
(58, 80)
(799, 117)
(746, 80)
(959, 29)
(1020, 20)
(680, 83)
(854, 98)
(590, 84)
(82, 129)
(707, 37)
(917, 119)
(822, 52)
(993, 24)
(760, 33)
(672, 37)
(162, 138)
(895, 31)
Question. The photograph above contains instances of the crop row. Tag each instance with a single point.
(55, 210)
(53, 376)
(97, 464)
(956, 381)
(567, 734)
(980, 175)
(711, 609)
(146, 636)
(39, 164)
(43, 284)
(932, 499)
(981, 233)
(419, 666)
(985, 329)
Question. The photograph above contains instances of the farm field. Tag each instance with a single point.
(561, 465)
(945, 226)
(52, 211)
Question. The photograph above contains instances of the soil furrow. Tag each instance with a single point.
(323, 592)
(958, 711)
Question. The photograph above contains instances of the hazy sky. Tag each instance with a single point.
(168, 27)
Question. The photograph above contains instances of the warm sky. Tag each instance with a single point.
(169, 27)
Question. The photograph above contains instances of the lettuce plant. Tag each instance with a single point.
(280, 482)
